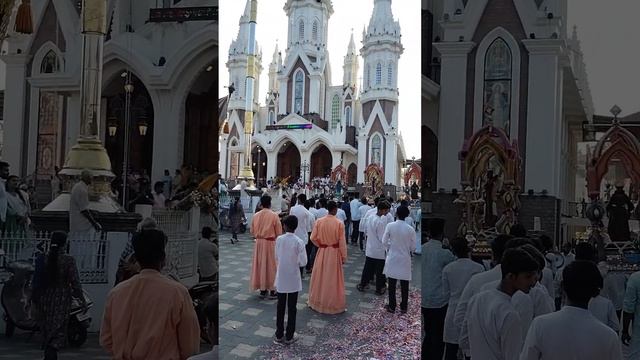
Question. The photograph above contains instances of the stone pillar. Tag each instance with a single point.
(73, 121)
(362, 157)
(314, 94)
(453, 89)
(391, 160)
(14, 107)
(544, 120)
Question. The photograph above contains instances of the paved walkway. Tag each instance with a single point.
(247, 323)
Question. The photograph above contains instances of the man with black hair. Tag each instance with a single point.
(265, 227)
(290, 257)
(305, 225)
(455, 277)
(150, 316)
(572, 332)
(492, 323)
(434, 302)
(211, 313)
(207, 256)
(326, 288)
(399, 241)
(375, 251)
(475, 284)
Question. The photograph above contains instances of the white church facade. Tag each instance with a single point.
(353, 124)
(172, 62)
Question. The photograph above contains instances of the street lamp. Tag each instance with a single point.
(305, 167)
(258, 175)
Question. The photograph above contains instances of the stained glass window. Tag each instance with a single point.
(497, 85)
(376, 150)
(299, 84)
(335, 112)
(378, 74)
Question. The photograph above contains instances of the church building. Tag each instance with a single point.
(353, 124)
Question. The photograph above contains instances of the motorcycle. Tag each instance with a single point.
(20, 311)
(199, 294)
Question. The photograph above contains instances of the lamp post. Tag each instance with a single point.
(128, 89)
(258, 175)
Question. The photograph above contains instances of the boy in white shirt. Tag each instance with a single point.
(492, 323)
(290, 256)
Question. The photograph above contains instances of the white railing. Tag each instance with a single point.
(182, 254)
(89, 251)
(171, 221)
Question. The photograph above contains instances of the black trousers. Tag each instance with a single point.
(355, 233)
(286, 301)
(361, 240)
(433, 345)
(450, 351)
(311, 253)
(404, 293)
(373, 267)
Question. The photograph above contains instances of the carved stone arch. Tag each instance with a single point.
(47, 49)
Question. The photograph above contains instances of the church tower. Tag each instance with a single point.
(272, 95)
(351, 66)
(306, 70)
(378, 135)
(237, 65)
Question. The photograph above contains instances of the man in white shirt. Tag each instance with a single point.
(455, 277)
(290, 257)
(475, 284)
(80, 218)
(305, 222)
(398, 239)
(375, 252)
(492, 323)
(355, 218)
(207, 256)
(322, 210)
(341, 215)
(363, 210)
(573, 333)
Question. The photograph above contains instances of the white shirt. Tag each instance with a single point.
(455, 277)
(207, 251)
(341, 215)
(305, 222)
(493, 325)
(603, 310)
(537, 302)
(320, 213)
(471, 289)
(409, 220)
(399, 239)
(375, 231)
(79, 201)
(158, 201)
(547, 281)
(290, 257)
(614, 286)
(570, 334)
(363, 211)
(355, 209)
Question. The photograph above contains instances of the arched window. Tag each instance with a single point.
(347, 115)
(367, 76)
(272, 117)
(298, 93)
(497, 85)
(301, 30)
(335, 112)
(378, 74)
(314, 31)
(390, 75)
(50, 63)
(376, 149)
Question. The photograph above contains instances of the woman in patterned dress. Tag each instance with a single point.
(56, 282)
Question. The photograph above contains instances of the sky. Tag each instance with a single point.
(608, 35)
(348, 15)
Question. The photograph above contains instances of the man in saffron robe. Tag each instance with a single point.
(265, 227)
(326, 289)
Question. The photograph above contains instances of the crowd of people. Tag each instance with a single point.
(313, 240)
(523, 306)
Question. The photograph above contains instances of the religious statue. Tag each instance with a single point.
(490, 191)
(414, 191)
(619, 211)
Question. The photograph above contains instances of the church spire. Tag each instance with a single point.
(351, 66)
(352, 45)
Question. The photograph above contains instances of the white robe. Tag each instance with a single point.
(473, 287)
(290, 256)
(398, 239)
(363, 211)
(305, 222)
(455, 277)
(603, 310)
(570, 334)
(493, 327)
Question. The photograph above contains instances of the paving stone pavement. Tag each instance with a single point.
(247, 323)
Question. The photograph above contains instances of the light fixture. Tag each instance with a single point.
(209, 68)
(143, 126)
(112, 126)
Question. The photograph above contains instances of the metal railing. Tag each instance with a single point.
(88, 249)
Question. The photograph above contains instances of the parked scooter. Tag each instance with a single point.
(21, 313)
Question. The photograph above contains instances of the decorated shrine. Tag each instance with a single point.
(374, 180)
